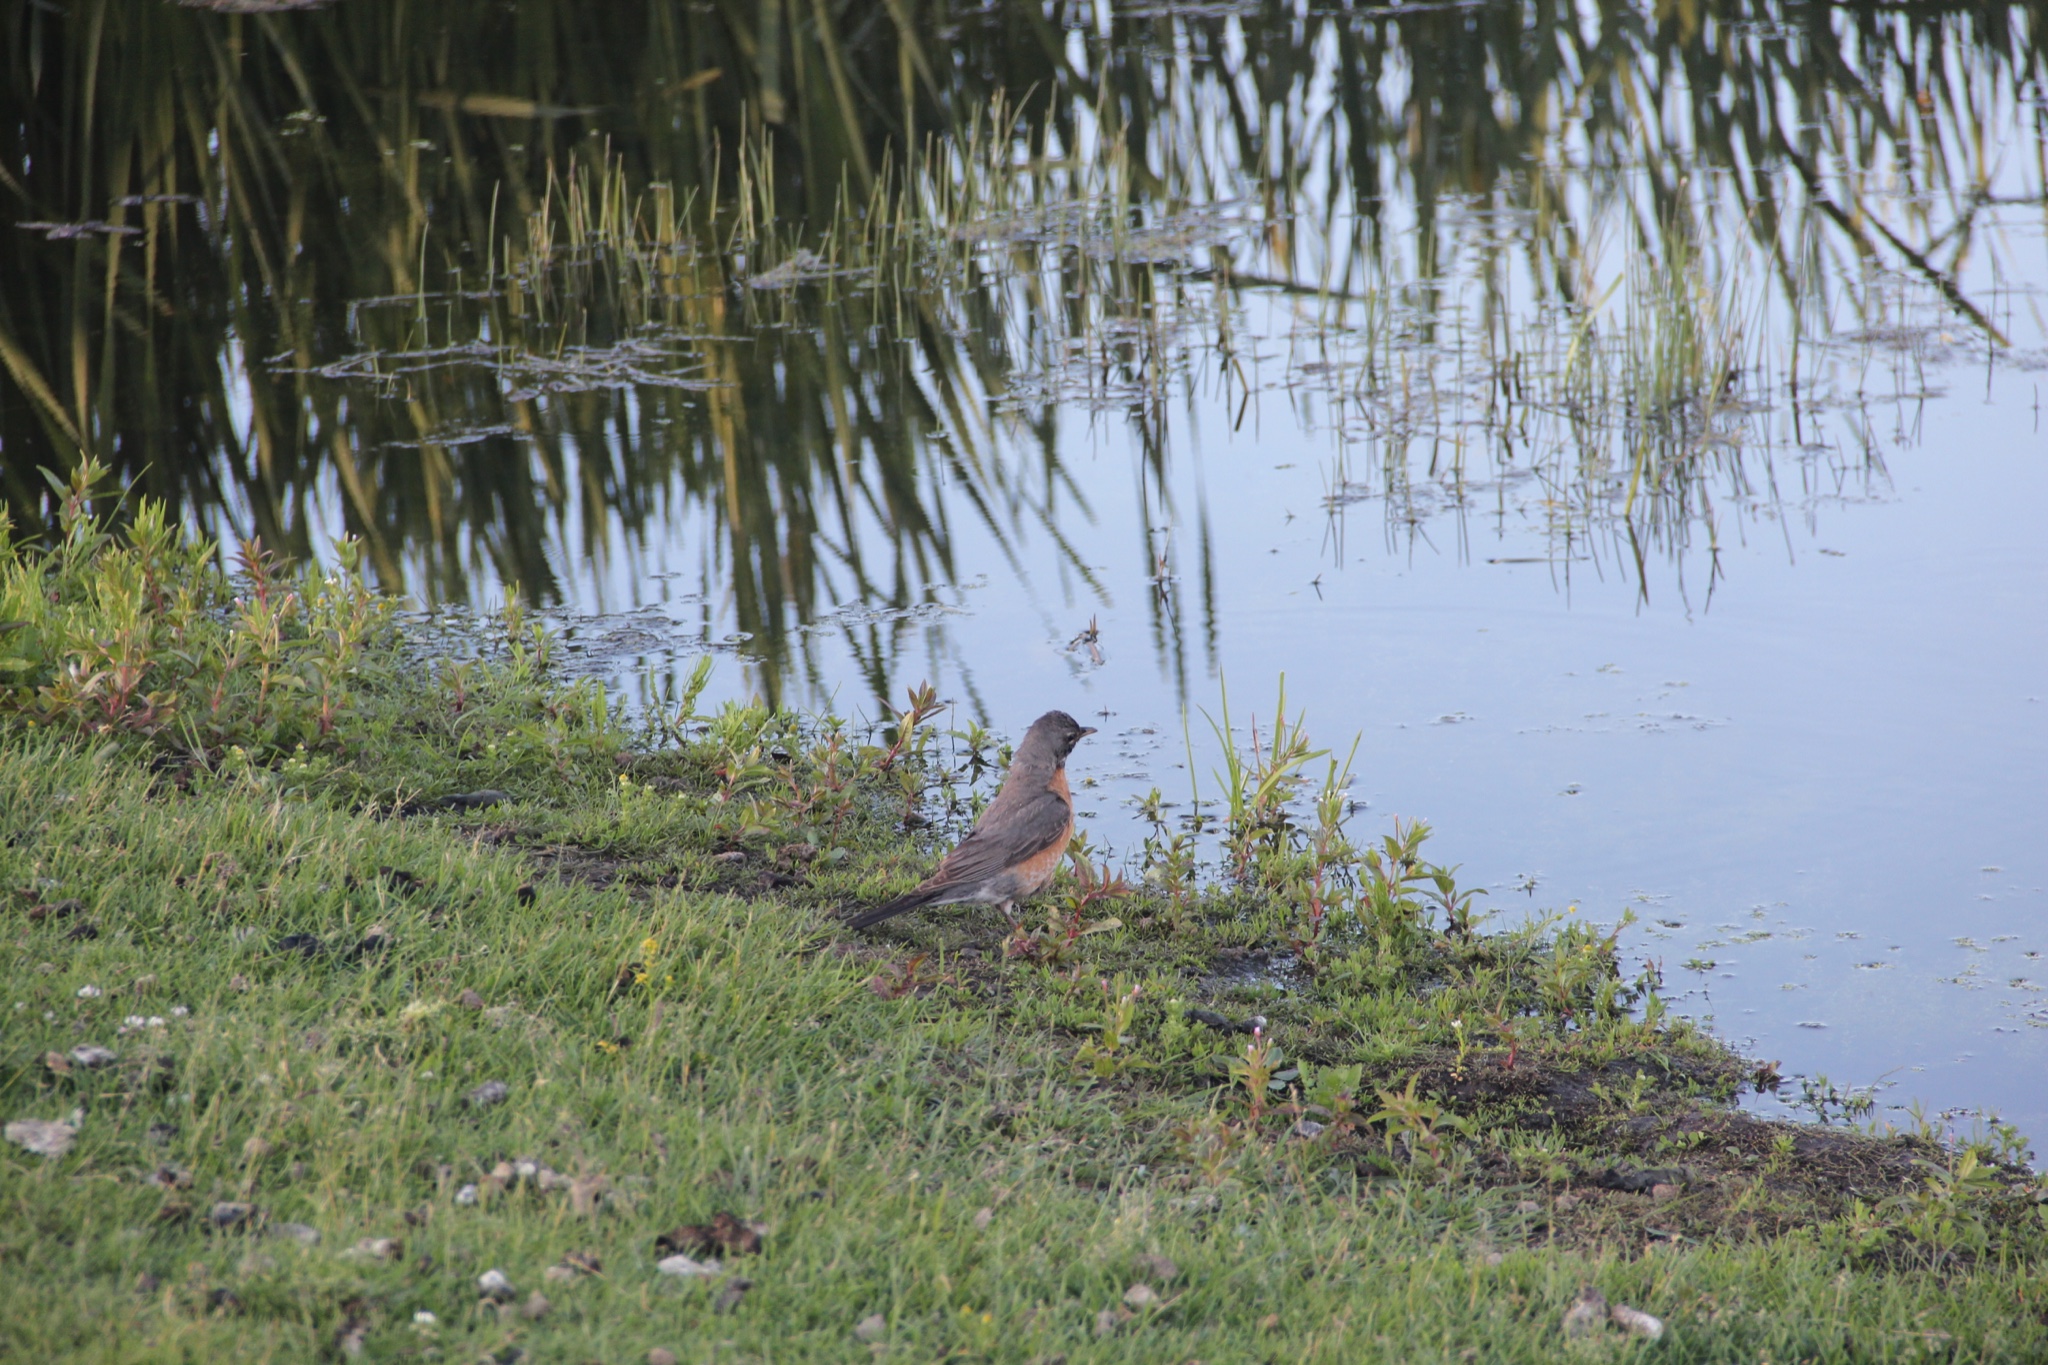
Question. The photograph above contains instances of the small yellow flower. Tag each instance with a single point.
(649, 946)
(607, 1045)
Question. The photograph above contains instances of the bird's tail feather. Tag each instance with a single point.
(889, 911)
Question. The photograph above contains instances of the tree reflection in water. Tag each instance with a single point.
(509, 298)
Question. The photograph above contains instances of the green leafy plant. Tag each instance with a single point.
(1416, 1126)
(1212, 1145)
(1257, 787)
(1829, 1103)
(136, 633)
(1262, 1070)
(1330, 1095)
(1109, 1053)
(1066, 926)
(1330, 855)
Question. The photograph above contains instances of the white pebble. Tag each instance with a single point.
(683, 1265)
(1635, 1320)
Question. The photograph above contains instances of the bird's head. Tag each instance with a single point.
(1054, 735)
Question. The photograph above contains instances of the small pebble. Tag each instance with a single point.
(1663, 1193)
(229, 1214)
(1141, 1296)
(1157, 1267)
(92, 1054)
(683, 1265)
(1636, 1321)
(982, 1218)
(466, 1195)
(298, 1232)
(470, 1000)
(494, 1284)
(488, 1094)
(536, 1307)
(44, 1137)
(871, 1328)
(1586, 1314)
(661, 1355)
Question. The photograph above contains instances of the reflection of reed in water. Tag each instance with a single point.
(1422, 186)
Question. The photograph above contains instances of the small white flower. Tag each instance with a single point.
(179, 1011)
(89, 992)
(132, 1021)
(424, 1318)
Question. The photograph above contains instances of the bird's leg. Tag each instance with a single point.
(1018, 933)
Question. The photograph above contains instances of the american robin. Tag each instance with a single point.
(1014, 848)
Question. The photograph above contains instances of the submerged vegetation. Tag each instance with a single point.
(468, 289)
(379, 1000)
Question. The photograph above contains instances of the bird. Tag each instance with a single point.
(1014, 848)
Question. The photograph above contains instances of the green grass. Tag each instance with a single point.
(986, 1150)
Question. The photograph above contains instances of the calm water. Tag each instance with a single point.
(1629, 428)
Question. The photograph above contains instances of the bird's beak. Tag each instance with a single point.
(1086, 731)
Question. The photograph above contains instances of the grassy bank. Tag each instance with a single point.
(345, 971)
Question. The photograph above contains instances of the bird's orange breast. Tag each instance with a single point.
(1037, 870)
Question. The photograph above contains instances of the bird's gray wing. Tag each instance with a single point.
(1024, 831)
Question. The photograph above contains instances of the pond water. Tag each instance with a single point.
(1627, 424)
